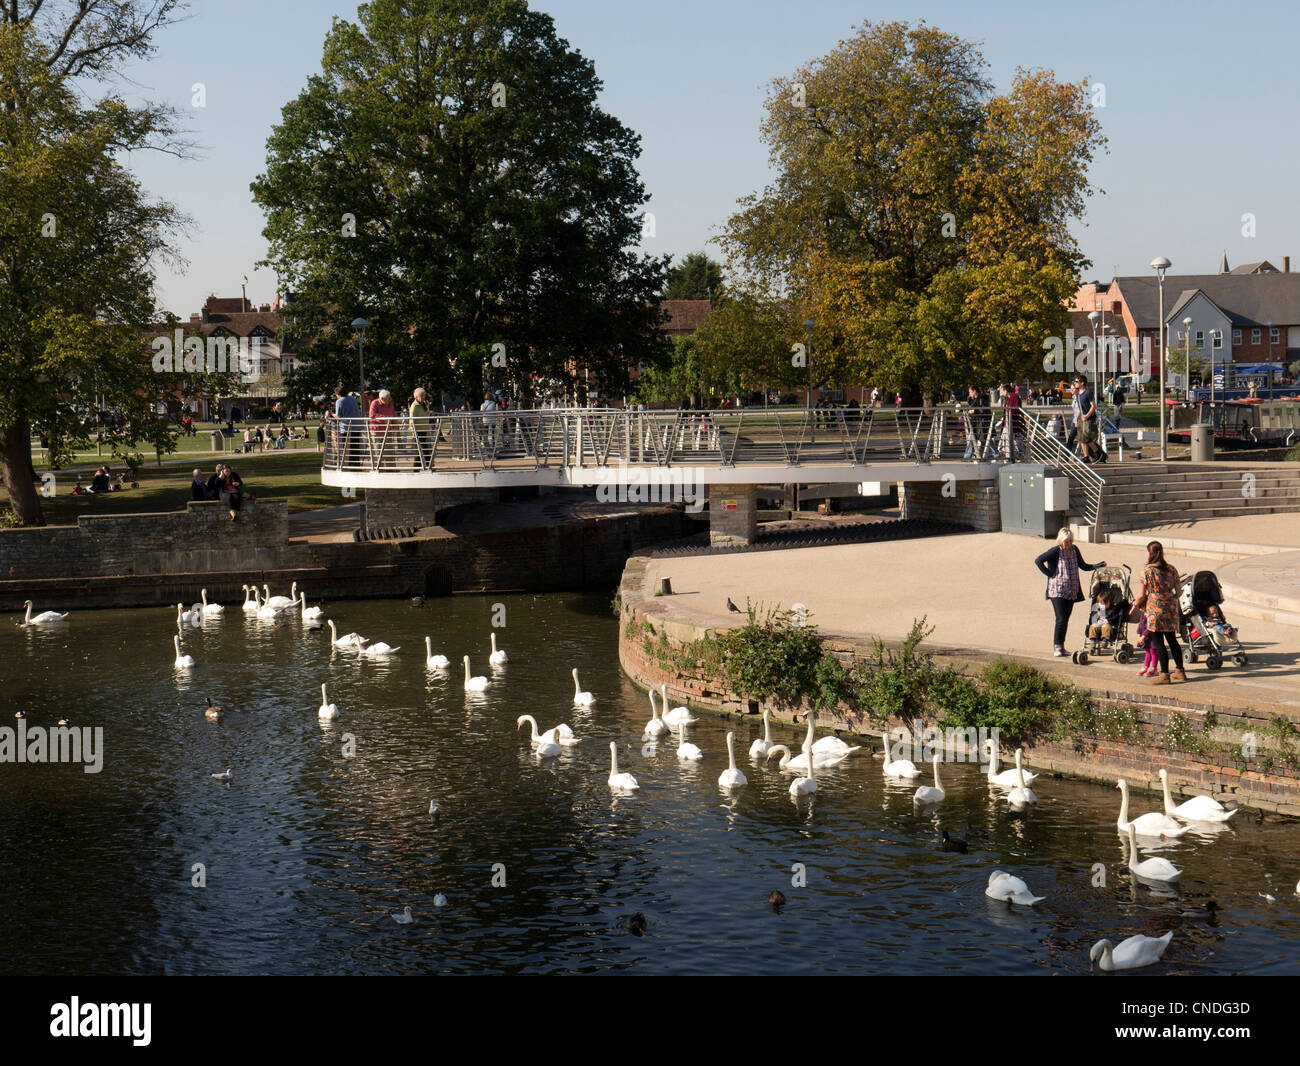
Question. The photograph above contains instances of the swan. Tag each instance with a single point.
(379, 650)
(760, 747)
(617, 780)
(1133, 953)
(898, 767)
(1196, 809)
(223, 777)
(267, 609)
(543, 745)
(1007, 778)
(830, 745)
(731, 777)
(405, 918)
(799, 763)
(187, 618)
(580, 698)
(687, 750)
(1153, 869)
(677, 715)
(805, 786)
(474, 684)
(350, 640)
(280, 602)
(497, 657)
(433, 807)
(1152, 825)
(42, 619)
(1022, 795)
(440, 900)
(434, 662)
(931, 793)
(1012, 889)
(560, 735)
(327, 710)
(210, 608)
(183, 662)
(250, 606)
(656, 727)
(309, 614)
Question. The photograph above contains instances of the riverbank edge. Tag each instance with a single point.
(1096, 759)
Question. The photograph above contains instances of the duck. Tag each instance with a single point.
(776, 899)
(405, 918)
(498, 657)
(349, 640)
(953, 843)
(1152, 824)
(1022, 796)
(212, 712)
(805, 786)
(183, 662)
(379, 650)
(1196, 809)
(43, 619)
(580, 698)
(619, 781)
(904, 768)
(656, 727)
(250, 605)
(280, 602)
(1007, 778)
(474, 684)
(1005, 886)
(731, 777)
(434, 662)
(930, 794)
(309, 614)
(677, 715)
(760, 747)
(210, 608)
(1131, 954)
(634, 923)
(1153, 869)
(224, 776)
(686, 750)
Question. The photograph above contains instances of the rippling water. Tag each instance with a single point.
(307, 851)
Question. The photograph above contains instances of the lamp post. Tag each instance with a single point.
(1187, 359)
(1269, 377)
(360, 324)
(808, 328)
(1160, 264)
(1094, 317)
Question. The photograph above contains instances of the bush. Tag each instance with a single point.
(890, 685)
(774, 658)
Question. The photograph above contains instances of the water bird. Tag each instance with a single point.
(677, 715)
(309, 614)
(580, 698)
(762, 746)
(1152, 824)
(326, 710)
(731, 607)
(434, 662)
(656, 727)
(280, 602)
(931, 794)
(617, 780)
(776, 899)
(405, 918)
(1152, 869)
(804, 786)
(379, 650)
(349, 640)
(42, 619)
(267, 609)
(731, 777)
(904, 768)
(440, 900)
(474, 684)
(1022, 796)
(686, 750)
(1196, 809)
(417, 601)
(498, 657)
(953, 843)
(223, 777)
(20, 713)
(829, 745)
(187, 618)
(1208, 912)
(634, 923)
(1007, 778)
(64, 721)
(1011, 889)
(433, 807)
(250, 605)
(1131, 954)
(543, 745)
(183, 662)
(212, 712)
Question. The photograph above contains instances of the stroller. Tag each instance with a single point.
(1114, 585)
(1199, 592)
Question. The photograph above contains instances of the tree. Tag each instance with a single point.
(748, 343)
(696, 277)
(449, 176)
(922, 221)
(77, 237)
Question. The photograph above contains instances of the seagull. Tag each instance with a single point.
(223, 777)
(732, 607)
(405, 918)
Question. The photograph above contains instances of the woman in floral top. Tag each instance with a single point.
(1160, 587)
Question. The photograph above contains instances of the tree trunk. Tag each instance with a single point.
(18, 478)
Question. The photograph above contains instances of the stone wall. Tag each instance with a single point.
(733, 514)
(973, 504)
(417, 507)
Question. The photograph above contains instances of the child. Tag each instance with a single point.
(1151, 666)
(1099, 619)
(1216, 623)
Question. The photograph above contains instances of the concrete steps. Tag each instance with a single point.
(1158, 494)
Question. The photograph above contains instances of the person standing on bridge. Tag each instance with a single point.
(347, 419)
(421, 428)
(1061, 566)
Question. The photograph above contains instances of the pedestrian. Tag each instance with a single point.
(421, 428)
(232, 491)
(1119, 399)
(1012, 429)
(977, 440)
(347, 420)
(382, 413)
(248, 440)
(1158, 598)
(1088, 427)
(1061, 566)
(198, 487)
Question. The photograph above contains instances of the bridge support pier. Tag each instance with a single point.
(733, 514)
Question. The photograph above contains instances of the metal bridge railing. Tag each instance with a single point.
(1086, 485)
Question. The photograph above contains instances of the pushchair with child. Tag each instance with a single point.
(1111, 587)
(1204, 630)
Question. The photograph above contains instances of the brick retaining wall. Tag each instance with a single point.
(973, 504)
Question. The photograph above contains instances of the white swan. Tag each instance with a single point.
(497, 658)
(280, 602)
(1007, 778)
(656, 727)
(379, 650)
(799, 763)
(350, 640)
(677, 715)
(928, 794)
(267, 609)
(434, 662)
(327, 709)
(183, 662)
(1153, 869)
(474, 684)
(405, 918)
(188, 617)
(1132, 954)
(250, 606)
(830, 745)
(687, 750)
(731, 777)
(210, 608)
(580, 698)
(223, 777)
(762, 746)
(42, 619)
(309, 614)
(543, 744)
(898, 767)
(1012, 889)
(617, 780)
(805, 786)
(1152, 824)
(1196, 809)
(1022, 795)
(561, 734)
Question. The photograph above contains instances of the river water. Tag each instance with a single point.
(307, 850)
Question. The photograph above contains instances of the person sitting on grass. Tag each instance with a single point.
(101, 481)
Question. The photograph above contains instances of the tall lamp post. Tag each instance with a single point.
(360, 324)
(1269, 376)
(808, 328)
(1187, 359)
(1160, 264)
(1094, 317)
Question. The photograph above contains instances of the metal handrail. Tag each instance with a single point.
(1087, 486)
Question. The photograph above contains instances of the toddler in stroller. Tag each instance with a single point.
(1108, 619)
(1204, 630)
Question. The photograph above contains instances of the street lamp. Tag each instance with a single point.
(1187, 359)
(808, 328)
(1269, 377)
(1160, 264)
(360, 324)
(1094, 317)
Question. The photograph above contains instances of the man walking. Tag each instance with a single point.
(1088, 426)
(977, 422)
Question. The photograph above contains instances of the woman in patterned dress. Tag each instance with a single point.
(1160, 587)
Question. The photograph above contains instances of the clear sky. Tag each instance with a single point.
(1201, 112)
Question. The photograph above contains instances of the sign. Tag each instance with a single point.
(970, 497)
(730, 505)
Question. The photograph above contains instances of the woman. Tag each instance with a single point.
(232, 489)
(1061, 565)
(420, 427)
(1158, 595)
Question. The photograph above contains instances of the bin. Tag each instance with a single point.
(218, 441)
(1202, 442)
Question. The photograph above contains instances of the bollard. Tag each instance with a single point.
(665, 586)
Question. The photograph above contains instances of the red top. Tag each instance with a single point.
(380, 411)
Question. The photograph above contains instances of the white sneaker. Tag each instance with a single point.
(1060, 653)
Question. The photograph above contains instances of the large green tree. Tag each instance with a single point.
(695, 277)
(449, 177)
(922, 221)
(78, 236)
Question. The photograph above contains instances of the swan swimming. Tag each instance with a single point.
(799, 763)
(379, 650)
(183, 662)
(1022, 795)
(547, 744)
(617, 780)
(1152, 824)
(805, 786)
(250, 606)
(327, 710)
(497, 658)
(42, 619)
(897, 767)
(928, 794)
(309, 614)
(686, 750)
(677, 715)
(762, 746)
(1132, 954)
(474, 684)
(210, 608)
(580, 698)
(1007, 887)
(434, 662)
(1196, 809)
(830, 745)
(267, 609)
(656, 727)
(1153, 869)
(280, 602)
(350, 640)
(187, 617)
(405, 918)
(223, 777)
(731, 777)
(1007, 778)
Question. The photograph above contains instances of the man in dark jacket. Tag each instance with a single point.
(198, 487)
(214, 486)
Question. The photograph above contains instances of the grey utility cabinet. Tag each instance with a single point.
(1023, 493)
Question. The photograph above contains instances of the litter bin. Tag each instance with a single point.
(1202, 442)
(218, 441)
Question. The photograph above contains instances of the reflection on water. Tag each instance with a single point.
(324, 829)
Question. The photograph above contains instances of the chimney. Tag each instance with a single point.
(196, 317)
(1286, 264)
(264, 307)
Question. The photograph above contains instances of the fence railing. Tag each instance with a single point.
(1086, 485)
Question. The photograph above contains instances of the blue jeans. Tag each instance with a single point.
(1063, 609)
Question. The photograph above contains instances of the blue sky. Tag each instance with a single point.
(1200, 113)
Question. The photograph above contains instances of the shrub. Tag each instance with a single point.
(890, 685)
(774, 658)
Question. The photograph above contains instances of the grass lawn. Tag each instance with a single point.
(295, 475)
(199, 445)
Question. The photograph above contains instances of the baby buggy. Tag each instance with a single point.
(1200, 593)
(1113, 584)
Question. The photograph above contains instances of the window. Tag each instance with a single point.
(1200, 338)
(1158, 340)
(1255, 335)
(1275, 334)
(1236, 336)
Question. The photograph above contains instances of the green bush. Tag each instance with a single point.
(896, 685)
(773, 658)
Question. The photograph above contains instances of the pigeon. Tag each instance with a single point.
(732, 607)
